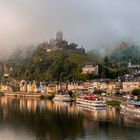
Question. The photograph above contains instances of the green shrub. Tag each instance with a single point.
(113, 103)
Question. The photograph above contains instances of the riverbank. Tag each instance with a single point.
(112, 101)
(30, 95)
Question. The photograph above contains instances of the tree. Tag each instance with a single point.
(106, 61)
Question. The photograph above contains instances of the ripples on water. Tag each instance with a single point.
(35, 119)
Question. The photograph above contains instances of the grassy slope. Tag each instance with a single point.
(76, 58)
(81, 58)
(54, 55)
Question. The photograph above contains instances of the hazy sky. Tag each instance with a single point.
(90, 23)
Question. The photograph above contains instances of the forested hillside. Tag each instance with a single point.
(57, 65)
(63, 65)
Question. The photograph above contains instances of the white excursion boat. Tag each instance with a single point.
(131, 106)
(92, 104)
(63, 98)
(90, 108)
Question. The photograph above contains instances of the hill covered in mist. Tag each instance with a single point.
(57, 60)
(125, 53)
(41, 63)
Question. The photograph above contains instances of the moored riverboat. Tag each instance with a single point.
(90, 102)
(131, 106)
(63, 98)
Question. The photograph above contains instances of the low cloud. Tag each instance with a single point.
(91, 23)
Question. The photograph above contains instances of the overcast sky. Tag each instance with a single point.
(91, 23)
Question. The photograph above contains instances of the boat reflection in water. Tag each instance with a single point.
(131, 119)
(36, 119)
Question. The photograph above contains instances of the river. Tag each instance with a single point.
(35, 119)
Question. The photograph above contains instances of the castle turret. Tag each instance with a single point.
(59, 36)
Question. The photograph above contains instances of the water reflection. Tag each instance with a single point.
(22, 119)
(130, 119)
(43, 119)
(109, 113)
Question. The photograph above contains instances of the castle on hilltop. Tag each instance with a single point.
(60, 44)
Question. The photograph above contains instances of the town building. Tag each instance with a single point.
(129, 86)
(89, 68)
(30, 87)
(71, 86)
(52, 88)
(23, 86)
(62, 87)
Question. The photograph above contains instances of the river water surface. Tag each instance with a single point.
(35, 119)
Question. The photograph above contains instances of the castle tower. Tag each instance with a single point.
(59, 36)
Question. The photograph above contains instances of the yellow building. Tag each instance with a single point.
(112, 86)
(30, 87)
(52, 88)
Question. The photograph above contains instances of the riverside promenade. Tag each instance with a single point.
(20, 94)
(49, 96)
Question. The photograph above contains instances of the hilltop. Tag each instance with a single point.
(62, 61)
(57, 60)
